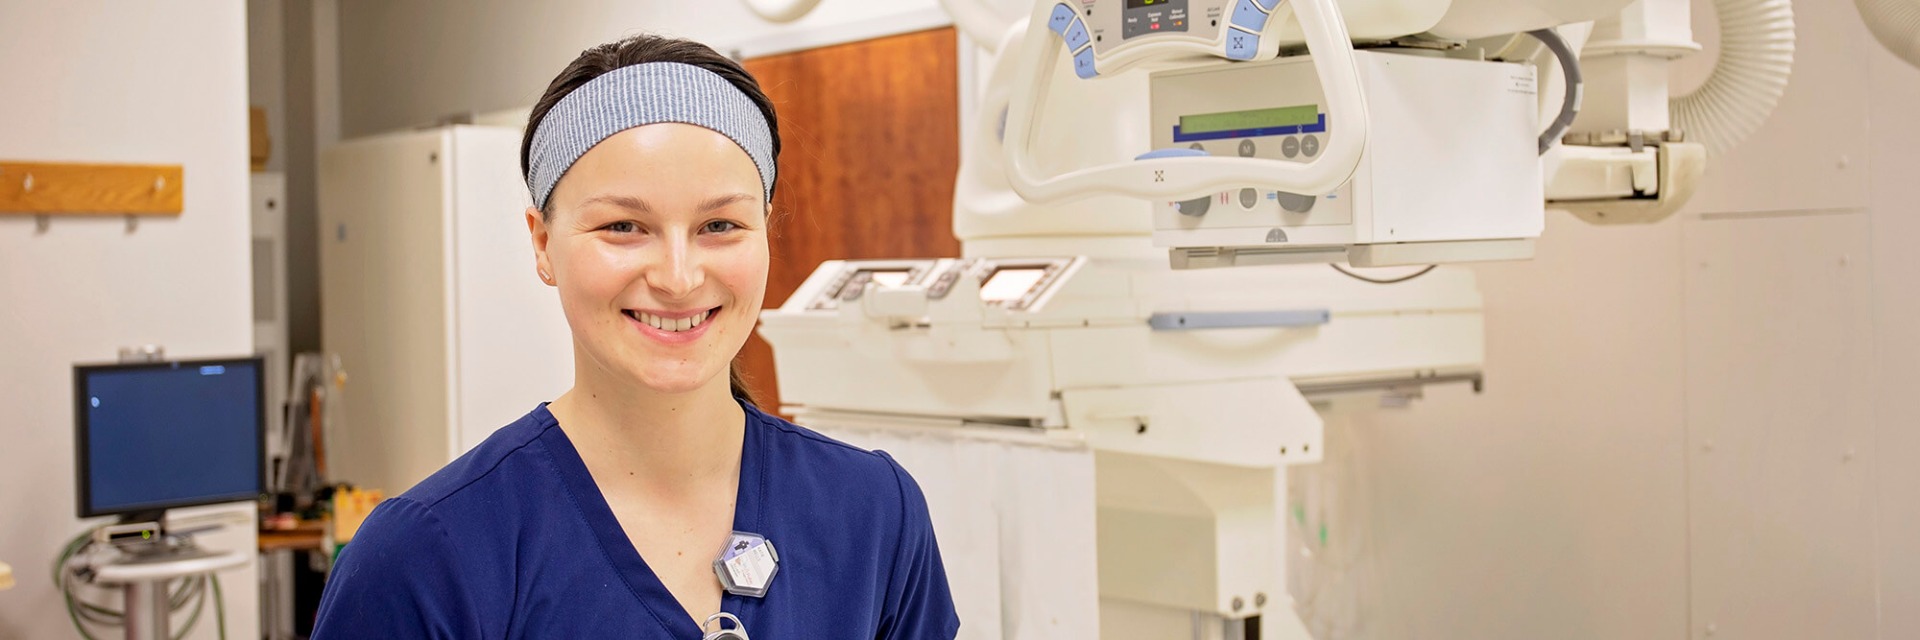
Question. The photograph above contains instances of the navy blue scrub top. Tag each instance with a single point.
(514, 540)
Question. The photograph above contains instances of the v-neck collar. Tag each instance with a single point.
(619, 550)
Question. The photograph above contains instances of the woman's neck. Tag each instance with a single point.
(668, 442)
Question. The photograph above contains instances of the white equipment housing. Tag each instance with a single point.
(1190, 387)
(1430, 112)
(1450, 149)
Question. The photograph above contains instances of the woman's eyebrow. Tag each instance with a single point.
(718, 202)
(638, 205)
(622, 201)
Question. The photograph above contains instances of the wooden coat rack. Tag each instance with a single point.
(46, 188)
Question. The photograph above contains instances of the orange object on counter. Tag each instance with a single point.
(350, 508)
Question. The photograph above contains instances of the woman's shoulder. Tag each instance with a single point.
(824, 452)
(494, 462)
(844, 470)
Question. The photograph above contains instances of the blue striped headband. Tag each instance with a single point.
(644, 94)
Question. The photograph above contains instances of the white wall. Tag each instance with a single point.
(100, 81)
(1693, 429)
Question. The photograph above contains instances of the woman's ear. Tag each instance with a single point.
(537, 228)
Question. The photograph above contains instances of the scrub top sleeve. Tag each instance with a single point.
(398, 578)
(919, 604)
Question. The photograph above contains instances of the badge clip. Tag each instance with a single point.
(721, 632)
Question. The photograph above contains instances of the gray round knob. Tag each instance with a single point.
(1297, 203)
(1196, 207)
(1249, 197)
(1310, 145)
(1290, 146)
(1246, 148)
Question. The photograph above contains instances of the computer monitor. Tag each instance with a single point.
(155, 436)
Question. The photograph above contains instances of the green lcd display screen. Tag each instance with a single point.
(1251, 119)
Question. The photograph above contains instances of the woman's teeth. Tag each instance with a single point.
(663, 324)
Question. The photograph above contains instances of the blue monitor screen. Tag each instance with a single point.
(168, 435)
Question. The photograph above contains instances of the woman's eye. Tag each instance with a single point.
(623, 227)
(720, 226)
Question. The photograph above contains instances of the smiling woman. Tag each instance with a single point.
(648, 499)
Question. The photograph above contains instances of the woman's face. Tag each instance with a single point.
(658, 244)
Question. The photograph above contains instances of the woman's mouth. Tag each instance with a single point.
(672, 327)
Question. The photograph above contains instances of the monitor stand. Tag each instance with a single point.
(158, 516)
(145, 571)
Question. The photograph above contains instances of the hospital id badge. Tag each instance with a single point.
(747, 565)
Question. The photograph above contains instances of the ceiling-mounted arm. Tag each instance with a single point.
(781, 10)
(1170, 177)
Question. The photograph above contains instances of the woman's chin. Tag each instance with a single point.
(673, 382)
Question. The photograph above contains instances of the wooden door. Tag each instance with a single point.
(870, 135)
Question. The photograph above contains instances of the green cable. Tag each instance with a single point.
(220, 607)
(61, 577)
(198, 605)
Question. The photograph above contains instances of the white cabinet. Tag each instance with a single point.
(429, 297)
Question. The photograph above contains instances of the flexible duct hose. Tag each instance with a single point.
(781, 10)
(1570, 99)
(1756, 59)
(1896, 24)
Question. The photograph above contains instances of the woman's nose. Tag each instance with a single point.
(679, 273)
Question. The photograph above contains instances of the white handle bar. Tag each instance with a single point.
(1179, 178)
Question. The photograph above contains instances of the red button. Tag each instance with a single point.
(1156, 26)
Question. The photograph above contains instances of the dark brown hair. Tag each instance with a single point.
(642, 49)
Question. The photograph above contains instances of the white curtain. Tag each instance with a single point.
(1014, 514)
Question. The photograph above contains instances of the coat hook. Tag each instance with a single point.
(133, 224)
(42, 223)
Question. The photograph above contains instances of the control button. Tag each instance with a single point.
(1296, 203)
(1242, 45)
(1268, 5)
(1246, 148)
(1062, 17)
(1083, 64)
(943, 285)
(1249, 197)
(1196, 207)
(1076, 35)
(1290, 146)
(1310, 145)
(1247, 15)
